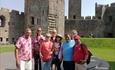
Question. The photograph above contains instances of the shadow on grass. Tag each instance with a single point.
(112, 65)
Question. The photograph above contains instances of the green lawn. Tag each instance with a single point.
(103, 48)
(6, 48)
(107, 54)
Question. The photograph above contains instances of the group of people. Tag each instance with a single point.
(50, 51)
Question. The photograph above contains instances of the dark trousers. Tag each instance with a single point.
(36, 61)
(68, 65)
(57, 62)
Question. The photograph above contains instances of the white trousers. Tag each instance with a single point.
(80, 67)
(25, 65)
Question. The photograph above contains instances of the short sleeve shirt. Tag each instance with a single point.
(46, 50)
(68, 50)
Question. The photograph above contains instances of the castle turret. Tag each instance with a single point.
(48, 14)
(74, 9)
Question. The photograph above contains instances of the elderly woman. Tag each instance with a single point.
(56, 62)
(46, 52)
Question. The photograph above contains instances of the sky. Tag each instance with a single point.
(88, 6)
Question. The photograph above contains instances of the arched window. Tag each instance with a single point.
(32, 20)
(110, 18)
(2, 21)
(74, 16)
(1, 39)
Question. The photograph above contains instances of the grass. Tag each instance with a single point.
(99, 42)
(6, 48)
(107, 54)
(103, 48)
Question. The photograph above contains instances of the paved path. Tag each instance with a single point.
(98, 64)
(7, 62)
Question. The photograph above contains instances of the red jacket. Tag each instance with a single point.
(80, 52)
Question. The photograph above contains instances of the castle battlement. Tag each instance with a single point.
(101, 5)
(83, 18)
(15, 12)
(88, 17)
(112, 4)
(93, 17)
(22, 13)
(4, 9)
(106, 5)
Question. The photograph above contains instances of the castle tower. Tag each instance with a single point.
(74, 9)
(48, 14)
(11, 25)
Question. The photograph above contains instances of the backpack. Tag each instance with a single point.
(89, 57)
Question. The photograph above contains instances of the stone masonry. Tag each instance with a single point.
(11, 25)
(101, 25)
(48, 14)
(85, 27)
(107, 17)
(74, 9)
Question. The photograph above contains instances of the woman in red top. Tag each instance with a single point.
(46, 52)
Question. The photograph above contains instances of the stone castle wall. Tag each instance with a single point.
(101, 25)
(74, 9)
(13, 25)
(4, 31)
(48, 14)
(36, 14)
(106, 13)
(109, 20)
(85, 27)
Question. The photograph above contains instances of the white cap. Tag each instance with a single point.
(28, 30)
(74, 31)
(39, 28)
(48, 34)
(54, 30)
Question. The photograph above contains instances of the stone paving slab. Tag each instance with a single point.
(7, 61)
(98, 64)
